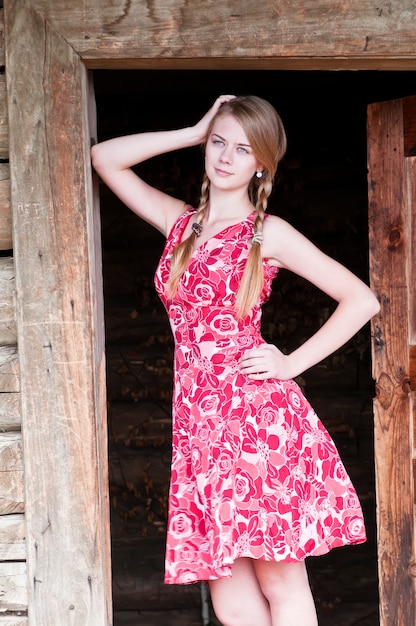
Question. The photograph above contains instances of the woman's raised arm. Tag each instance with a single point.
(114, 158)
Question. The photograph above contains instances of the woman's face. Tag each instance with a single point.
(229, 160)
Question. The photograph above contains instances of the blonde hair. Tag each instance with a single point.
(266, 135)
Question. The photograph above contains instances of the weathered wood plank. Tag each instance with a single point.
(8, 330)
(9, 369)
(1, 37)
(60, 326)
(4, 125)
(12, 538)
(389, 212)
(11, 474)
(10, 417)
(13, 587)
(6, 242)
(104, 31)
(14, 620)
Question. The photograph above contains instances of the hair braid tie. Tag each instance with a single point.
(197, 228)
(257, 238)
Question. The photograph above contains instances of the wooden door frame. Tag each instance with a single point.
(49, 49)
(391, 135)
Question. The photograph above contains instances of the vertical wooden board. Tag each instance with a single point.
(389, 247)
(409, 115)
(59, 321)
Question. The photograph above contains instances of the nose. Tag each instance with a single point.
(226, 154)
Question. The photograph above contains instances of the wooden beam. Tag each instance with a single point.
(389, 211)
(340, 34)
(59, 325)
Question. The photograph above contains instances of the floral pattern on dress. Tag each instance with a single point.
(254, 472)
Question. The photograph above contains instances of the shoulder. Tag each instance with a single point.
(179, 216)
(278, 235)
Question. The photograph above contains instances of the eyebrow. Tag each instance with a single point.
(246, 145)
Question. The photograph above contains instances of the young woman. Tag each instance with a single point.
(257, 484)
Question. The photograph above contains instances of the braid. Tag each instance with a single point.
(252, 280)
(182, 253)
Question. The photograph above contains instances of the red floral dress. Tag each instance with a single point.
(254, 472)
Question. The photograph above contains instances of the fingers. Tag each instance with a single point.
(266, 361)
(202, 126)
(257, 362)
(224, 98)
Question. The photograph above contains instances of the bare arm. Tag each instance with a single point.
(356, 304)
(113, 160)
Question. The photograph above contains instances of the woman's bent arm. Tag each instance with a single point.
(113, 160)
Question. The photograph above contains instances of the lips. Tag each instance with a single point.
(220, 172)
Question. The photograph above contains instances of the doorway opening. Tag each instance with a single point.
(321, 189)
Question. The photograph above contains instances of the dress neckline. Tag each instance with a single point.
(219, 233)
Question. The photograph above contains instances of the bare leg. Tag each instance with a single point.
(286, 587)
(239, 601)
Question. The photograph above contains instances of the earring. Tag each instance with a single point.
(259, 174)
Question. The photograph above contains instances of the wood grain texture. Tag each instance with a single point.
(1, 38)
(175, 31)
(59, 326)
(10, 414)
(12, 538)
(8, 330)
(13, 587)
(4, 125)
(11, 474)
(9, 370)
(14, 620)
(389, 211)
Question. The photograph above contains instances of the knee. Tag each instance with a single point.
(231, 613)
(281, 580)
(227, 616)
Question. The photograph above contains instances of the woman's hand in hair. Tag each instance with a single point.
(201, 128)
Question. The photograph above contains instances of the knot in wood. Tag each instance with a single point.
(406, 386)
(385, 391)
(395, 237)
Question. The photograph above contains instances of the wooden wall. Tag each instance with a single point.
(13, 582)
